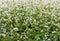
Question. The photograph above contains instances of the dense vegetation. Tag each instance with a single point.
(30, 20)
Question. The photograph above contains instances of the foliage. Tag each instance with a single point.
(30, 20)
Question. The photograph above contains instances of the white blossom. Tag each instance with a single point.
(15, 29)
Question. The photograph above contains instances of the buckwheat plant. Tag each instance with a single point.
(29, 20)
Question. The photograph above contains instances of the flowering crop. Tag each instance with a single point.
(30, 20)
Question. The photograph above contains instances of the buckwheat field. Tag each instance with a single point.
(29, 20)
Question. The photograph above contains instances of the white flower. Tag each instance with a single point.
(2, 34)
(41, 30)
(11, 37)
(16, 1)
(48, 39)
(53, 31)
(15, 29)
(18, 40)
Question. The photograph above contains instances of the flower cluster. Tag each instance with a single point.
(29, 20)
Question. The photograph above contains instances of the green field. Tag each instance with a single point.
(30, 20)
